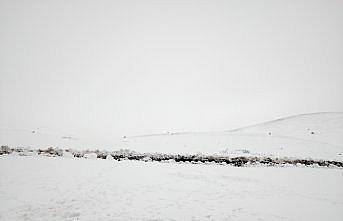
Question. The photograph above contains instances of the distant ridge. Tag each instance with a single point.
(315, 135)
(240, 128)
(285, 118)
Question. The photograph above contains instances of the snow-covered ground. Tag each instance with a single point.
(317, 135)
(46, 188)
(66, 188)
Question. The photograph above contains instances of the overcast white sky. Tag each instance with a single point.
(109, 68)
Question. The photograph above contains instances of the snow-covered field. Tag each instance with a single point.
(317, 136)
(47, 188)
(65, 188)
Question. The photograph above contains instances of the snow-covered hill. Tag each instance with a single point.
(39, 138)
(68, 188)
(320, 127)
(317, 135)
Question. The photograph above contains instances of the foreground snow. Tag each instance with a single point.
(43, 188)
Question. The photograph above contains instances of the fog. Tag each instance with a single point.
(105, 69)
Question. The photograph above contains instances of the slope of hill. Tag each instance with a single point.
(38, 138)
(324, 127)
(316, 135)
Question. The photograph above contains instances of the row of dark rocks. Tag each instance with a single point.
(197, 158)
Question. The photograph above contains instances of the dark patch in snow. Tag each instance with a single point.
(125, 154)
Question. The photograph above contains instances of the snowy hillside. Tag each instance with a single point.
(39, 138)
(318, 135)
(320, 127)
(46, 187)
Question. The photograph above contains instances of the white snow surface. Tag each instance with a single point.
(317, 135)
(47, 188)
